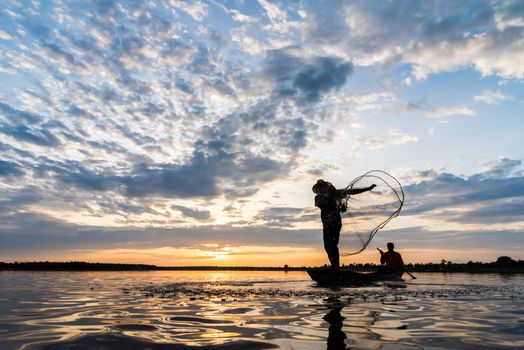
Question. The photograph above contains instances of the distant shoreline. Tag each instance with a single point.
(502, 265)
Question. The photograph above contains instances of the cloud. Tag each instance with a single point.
(429, 36)
(16, 115)
(29, 231)
(495, 195)
(491, 97)
(322, 76)
(421, 238)
(196, 9)
(36, 136)
(391, 137)
(201, 215)
(15, 152)
(444, 112)
(325, 24)
(120, 116)
(10, 168)
(510, 15)
(5, 36)
(276, 15)
(221, 161)
(84, 179)
(32, 233)
(14, 201)
(371, 101)
(484, 52)
(240, 17)
(441, 112)
(502, 168)
(305, 79)
(247, 43)
(191, 180)
(285, 217)
(501, 212)
(469, 199)
(199, 178)
(319, 170)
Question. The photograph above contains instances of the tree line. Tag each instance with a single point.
(503, 264)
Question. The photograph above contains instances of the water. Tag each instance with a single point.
(256, 310)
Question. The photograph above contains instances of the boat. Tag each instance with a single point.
(345, 277)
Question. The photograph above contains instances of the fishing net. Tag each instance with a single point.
(369, 211)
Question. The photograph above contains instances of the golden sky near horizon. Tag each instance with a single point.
(258, 256)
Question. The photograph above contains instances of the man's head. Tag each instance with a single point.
(321, 187)
(390, 246)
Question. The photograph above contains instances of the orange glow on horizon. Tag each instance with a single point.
(258, 256)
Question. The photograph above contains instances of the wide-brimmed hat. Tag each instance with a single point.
(321, 187)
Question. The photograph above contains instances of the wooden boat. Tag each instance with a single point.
(343, 277)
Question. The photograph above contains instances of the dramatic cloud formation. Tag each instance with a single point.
(174, 126)
(430, 36)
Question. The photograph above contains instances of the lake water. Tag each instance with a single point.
(256, 310)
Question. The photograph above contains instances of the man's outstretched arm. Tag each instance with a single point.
(359, 190)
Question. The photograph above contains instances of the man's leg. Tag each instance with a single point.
(335, 262)
(331, 245)
(327, 243)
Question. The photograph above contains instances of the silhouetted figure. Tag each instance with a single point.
(336, 336)
(330, 202)
(392, 259)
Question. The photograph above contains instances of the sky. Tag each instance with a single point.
(191, 132)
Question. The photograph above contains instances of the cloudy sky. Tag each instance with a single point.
(190, 133)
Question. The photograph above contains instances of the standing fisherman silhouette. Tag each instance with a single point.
(330, 202)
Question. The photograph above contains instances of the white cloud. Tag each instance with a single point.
(444, 112)
(196, 9)
(400, 138)
(5, 36)
(280, 24)
(240, 17)
(508, 15)
(430, 36)
(391, 137)
(491, 97)
(372, 101)
(483, 52)
(8, 70)
(246, 42)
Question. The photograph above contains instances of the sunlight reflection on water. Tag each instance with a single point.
(256, 310)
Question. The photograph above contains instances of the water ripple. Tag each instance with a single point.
(181, 310)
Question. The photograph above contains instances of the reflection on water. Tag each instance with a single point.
(336, 337)
(256, 310)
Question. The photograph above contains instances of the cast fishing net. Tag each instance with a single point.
(368, 212)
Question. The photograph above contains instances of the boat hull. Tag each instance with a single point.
(342, 277)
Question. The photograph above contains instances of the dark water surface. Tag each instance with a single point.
(256, 310)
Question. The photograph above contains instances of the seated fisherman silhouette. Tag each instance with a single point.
(392, 259)
(331, 204)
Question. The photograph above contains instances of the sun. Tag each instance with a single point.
(221, 255)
